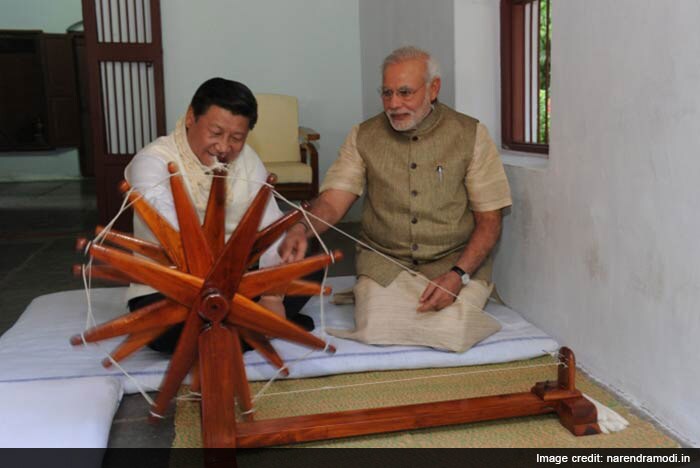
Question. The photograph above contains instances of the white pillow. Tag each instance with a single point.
(58, 413)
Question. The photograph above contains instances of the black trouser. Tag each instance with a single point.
(166, 342)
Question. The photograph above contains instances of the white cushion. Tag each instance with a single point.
(290, 172)
(74, 413)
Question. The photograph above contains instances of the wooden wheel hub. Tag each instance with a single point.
(214, 307)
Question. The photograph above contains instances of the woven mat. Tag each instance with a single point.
(366, 390)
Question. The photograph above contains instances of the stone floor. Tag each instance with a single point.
(39, 223)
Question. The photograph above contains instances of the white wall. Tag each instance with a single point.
(477, 62)
(388, 24)
(600, 248)
(50, 16)
(54, 17)
(305, 48)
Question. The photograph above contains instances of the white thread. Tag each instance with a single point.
(87, 283)
(427, 377)
(191, 396)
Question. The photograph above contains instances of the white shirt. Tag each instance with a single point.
(148, 173)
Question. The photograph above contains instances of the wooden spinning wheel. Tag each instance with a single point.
(208, 288)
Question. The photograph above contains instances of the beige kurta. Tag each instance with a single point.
(422, 187)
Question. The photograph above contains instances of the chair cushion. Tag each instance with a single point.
(290, 172)
(276, 135)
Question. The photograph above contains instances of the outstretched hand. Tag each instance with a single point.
(435, 298)
(293, 247)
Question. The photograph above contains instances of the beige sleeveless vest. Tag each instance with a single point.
(417, 206)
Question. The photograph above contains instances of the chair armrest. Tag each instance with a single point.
(309, 155)
(307, 134)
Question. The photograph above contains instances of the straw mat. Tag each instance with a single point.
(427, 385)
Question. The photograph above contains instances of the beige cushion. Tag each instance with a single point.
(276, 135)
(387, 315)
(290, 172)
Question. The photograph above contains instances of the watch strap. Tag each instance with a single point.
(458, 270)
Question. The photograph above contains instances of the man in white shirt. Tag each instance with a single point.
(212, 134)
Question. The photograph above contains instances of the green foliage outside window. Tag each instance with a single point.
(544, 72)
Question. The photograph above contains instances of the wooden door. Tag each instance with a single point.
(125, 77)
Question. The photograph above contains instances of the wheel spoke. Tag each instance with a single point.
(262, 345)
(229, 268)
(153, 316)
(215, 215)
(247, 314)
(180, 363)
(178, 286)
(132, 344)
(194, 242)
(257, 282)
(147, 249)
(167, 235)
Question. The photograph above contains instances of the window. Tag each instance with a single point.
(525, 74)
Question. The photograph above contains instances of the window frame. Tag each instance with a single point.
(513, 68)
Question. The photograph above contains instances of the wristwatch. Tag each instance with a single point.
(462, 274)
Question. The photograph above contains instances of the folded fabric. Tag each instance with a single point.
(609, 420)
(388, 316)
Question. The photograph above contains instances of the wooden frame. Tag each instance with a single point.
(207, 288)
(513, 78)
(112, 39)
(576, 413)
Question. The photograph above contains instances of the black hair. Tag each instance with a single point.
(231, 95)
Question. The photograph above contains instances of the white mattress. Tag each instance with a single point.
(53, 394)
(36, 348)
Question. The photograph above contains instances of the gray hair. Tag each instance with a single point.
(403, 54)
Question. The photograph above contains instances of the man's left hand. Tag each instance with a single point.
(435, 298)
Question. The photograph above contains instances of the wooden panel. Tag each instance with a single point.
(63, 115)
(127, 101)
(87, 164)
(22, 98)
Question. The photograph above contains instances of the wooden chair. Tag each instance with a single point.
(285, 148)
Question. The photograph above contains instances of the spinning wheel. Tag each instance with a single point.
(207, 287)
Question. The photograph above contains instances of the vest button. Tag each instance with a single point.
(414, 165)
(415, 138)
(414, 220)
(414, 247)
(415, 262)
(414, 193)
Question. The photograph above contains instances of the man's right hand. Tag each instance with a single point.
(330, 207)
(293, 247)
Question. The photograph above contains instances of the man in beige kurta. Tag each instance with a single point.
(434, 187)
